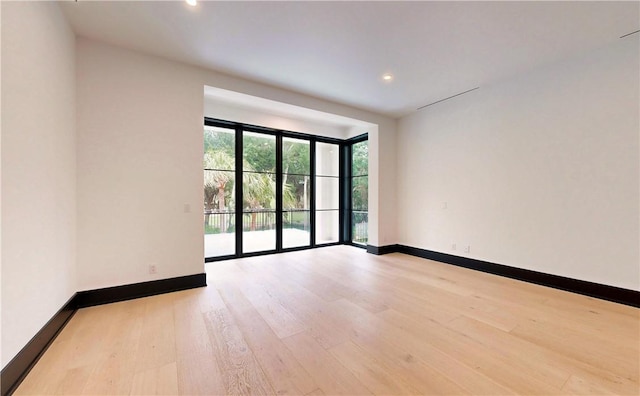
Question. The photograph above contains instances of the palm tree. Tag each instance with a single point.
(218, 173)
(258, 188)
(258, 192)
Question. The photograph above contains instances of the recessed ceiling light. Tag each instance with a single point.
(192, 3)
(387, 77)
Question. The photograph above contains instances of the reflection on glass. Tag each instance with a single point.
(327, 226)
(327, 159)
(327, 193)
(219, 185)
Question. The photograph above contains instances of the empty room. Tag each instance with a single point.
(320, 198)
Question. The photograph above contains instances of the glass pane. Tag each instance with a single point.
(296, 228)
(258, 191)
(360, 158)
(327, 159)
(295, 156)
(219, 234)
(219, 187)
(259, 216)
(219, 148)
(259, 152)
(258, 230)
(327, 226)
(360, 193)
(296, 192)
(359, 226)
(327, 193)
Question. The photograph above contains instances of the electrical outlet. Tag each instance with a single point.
(153, 269)
(453, 247)
(467, 249)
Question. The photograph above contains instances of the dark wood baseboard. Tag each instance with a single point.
(597, 290)
(108, 295)
(378, 250)
(17, 369)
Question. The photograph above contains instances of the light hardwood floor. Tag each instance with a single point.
(336, 320)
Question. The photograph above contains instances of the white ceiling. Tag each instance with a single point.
(339, 50)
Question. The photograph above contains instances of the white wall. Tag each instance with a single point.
(38, 169)
(140, 162)
(537, 172)
(139, 168)
(383, 196)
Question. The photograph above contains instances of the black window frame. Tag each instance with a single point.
(344, 236)
(347, 151)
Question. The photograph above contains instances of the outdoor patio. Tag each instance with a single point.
(223, 244)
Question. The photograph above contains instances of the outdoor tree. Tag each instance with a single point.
(218, 184)
(296, 171)
(360, 180)
(258, 180)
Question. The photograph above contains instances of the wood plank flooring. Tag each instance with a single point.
(337, 320)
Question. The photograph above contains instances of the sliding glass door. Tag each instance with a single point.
(296, 193)
(219, 191)
(270, 191)
(258, 192)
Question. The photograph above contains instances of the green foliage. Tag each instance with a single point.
(360, 158)
(360, 179)
(218, 180)
(228, 225)
(296, 157)
(259, 189)
(259, 153)
(259, 165)
(297, 169)
(220, 139)
(210, 229)
(360, 192)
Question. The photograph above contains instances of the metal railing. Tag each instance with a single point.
(219, 222)
(360, 226)
(216, 222)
